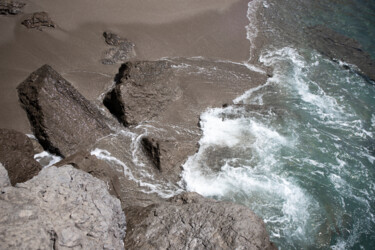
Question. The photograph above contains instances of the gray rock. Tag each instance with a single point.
(4, 179)
(122, 51)
(10, 7)
(61, 208)
(38, 20)
(17, 156)
(62, 120)
(189, 221)
(339, 47)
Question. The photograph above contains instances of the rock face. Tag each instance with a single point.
(17, 156)
(10, 7)
(61, 208)
(189, 221)
(122, 49)
(61, 118)
(339, 47)
(39, 20)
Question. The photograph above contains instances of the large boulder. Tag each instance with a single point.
(145, 90)
(61, 208)
(339, 47)
(17, 156)
(62, 120)
(8, 7)
(189, 221)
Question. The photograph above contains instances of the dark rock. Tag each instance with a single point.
(17, 156)
(152, 149)
(39, 20)
(113, 39)
(62, 120)
(189, 221)
(121, 52)
(339, 47)
(10, 7)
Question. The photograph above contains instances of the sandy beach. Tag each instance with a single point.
(212, 29)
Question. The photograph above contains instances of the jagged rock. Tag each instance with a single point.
(39, 20)
(61, 208)
(189, 221)
(339, 47)
(17, 156)
(61, 118)
(10, 7)
(122, 51)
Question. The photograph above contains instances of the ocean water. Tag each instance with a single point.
(300, 149)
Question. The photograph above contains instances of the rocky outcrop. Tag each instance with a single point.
(8, 7)
(17, 156)
(61, 208)
(121, 51)
(189, 221)
(145, 90)
(339, 47)
(62, 120)
(38, 20)
(164, 99)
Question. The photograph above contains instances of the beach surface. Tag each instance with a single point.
(210, 29)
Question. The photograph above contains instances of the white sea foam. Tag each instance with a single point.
(46, 159)
(251, 28)
(164, 190)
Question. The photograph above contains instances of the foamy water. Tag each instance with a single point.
(298, 150)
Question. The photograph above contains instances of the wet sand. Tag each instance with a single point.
(167, 28)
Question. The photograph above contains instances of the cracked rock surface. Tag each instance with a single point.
(61, 208)
(190, 221)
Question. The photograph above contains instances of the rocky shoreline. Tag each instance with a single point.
(135, 149)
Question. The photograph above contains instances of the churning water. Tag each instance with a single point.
(298, 150)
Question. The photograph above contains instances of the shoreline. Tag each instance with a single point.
(71, 47)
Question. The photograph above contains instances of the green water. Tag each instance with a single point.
(299, 150)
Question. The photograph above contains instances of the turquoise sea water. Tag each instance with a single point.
(299, 150)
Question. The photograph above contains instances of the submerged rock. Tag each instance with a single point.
(62, 120)
(339, 47)
(190, 221)
(122, 51)
(17, 156)
(61, 208)
(8, 7)
(39, 20)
